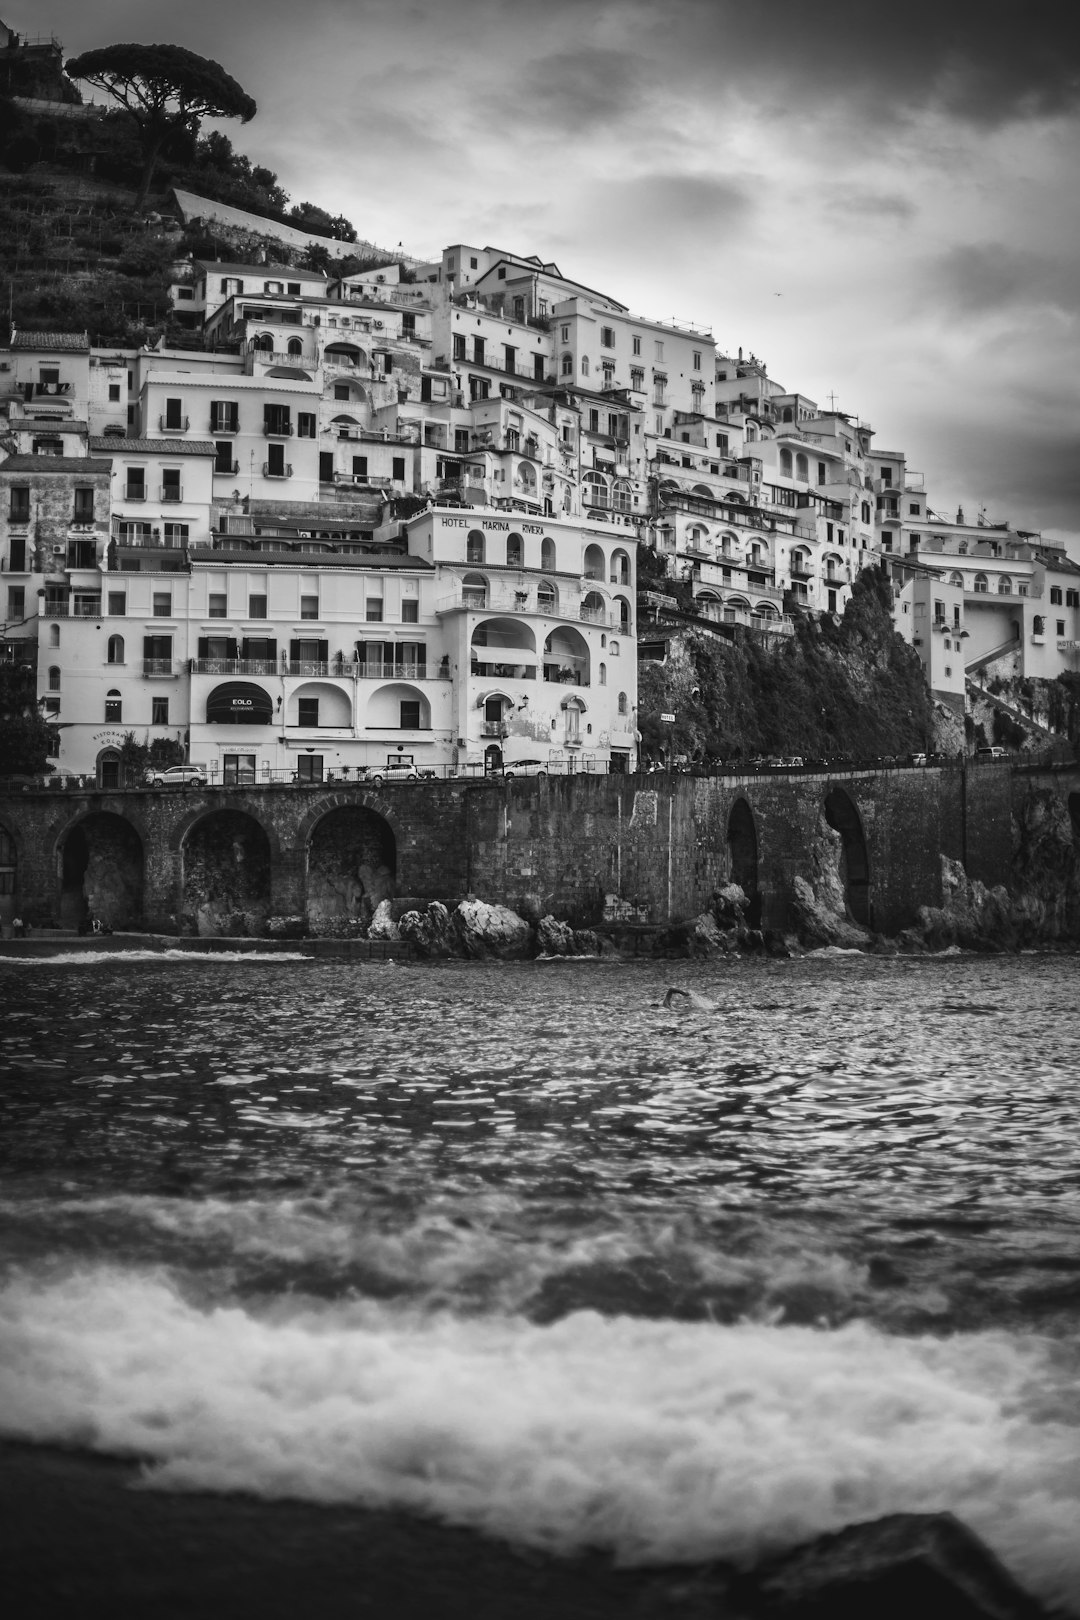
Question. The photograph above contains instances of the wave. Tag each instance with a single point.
(656, 1440)
(86, 958)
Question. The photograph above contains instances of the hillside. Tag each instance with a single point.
(851, 687)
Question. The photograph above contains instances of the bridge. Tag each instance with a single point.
(233, 861)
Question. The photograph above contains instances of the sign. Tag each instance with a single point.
(668, 719)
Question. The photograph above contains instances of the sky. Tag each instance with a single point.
(880, 202)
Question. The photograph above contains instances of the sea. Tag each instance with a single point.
(522, 1248)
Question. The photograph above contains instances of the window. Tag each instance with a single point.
(309, 768)
(696, 362)
(170, 484)
(159, 711)
(309, 607)
(637, 378)
(584, 365)
(1055, 595)
(658, 350)
(359, 466)
(277, 420)
(223, 457)
(478, 351)
(114, 393)
(514, 551)
(1061, 627)
(1072, 599)
(397, 471)
(1038, 625)
(117, 604)
(373, 609)
(982, 585)
(84, 506)
(341, 391)
(635, 344)
(306, 427)
(459, 345)
(566, 365)
(1004, 585)
(115, 651)
(256, 607)
(410, 611)
(948, 671)
(217, 605)
(307, 711)
(135, 487)
(174, 415)
(238, 770)
(607, 337)
(54, 678)
(722, 442)
(162, 604)
(410, 714)
(913, 509)
(20, 504)
(113, 706)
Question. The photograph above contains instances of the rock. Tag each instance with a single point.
(730, 906)
(904, 1565)
(430, 930)
(492, 931)
(704, 937)
(820, 919)
(382, 924)
(980, 919)
(554, 938)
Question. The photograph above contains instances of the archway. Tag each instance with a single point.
(843, 817)
(100, 868)
(743, 845)
(9, 876)
(351, 868)
(107, 769)
(226, 874)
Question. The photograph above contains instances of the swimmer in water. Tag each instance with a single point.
(688, 1001)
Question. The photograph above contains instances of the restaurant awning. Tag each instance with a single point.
(239, 703)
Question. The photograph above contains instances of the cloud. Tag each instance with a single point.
(981, 278)
(863, 204)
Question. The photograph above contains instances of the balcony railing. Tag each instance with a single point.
(177, 424)
(226, 467)
(159, 666)
(171, 492)
(231, 424)
(277, 472)
(234, 666)
(86, 607)
(277, 430)
(134, 492)
(55, 610)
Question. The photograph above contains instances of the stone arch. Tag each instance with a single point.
(351, 866)
(99, 867)
(843, 817)
(743, 847)
(226, 865)
(9, 873)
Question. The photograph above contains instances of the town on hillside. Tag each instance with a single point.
(342, 521)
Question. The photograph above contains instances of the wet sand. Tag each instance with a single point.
(79, 1541)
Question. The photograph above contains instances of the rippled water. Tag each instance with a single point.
(521, 1246)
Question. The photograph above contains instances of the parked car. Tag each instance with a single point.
(177, 776)
(524, 767)
(400, 770)
(917, 759)
(991, 753)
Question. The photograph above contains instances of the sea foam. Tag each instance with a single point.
(656, 1440)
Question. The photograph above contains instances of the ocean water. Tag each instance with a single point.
(521, 1247)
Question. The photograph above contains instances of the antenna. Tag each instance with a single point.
(832, 400)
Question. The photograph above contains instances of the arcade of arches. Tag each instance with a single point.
(101, 872)
(351, 868)
(226, 874)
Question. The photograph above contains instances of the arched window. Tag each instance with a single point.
(115, 652)
(547, 554)
(566, 365)
(1004, 585)
(264, 342)
(982, 584)
(113, 706)
(474, 546)
(613, 647)
(584, 365)
(594, 489)
(54, 678)
(624, 706)
(802, 468)
(788, 415)
(296, 348)
(623, 498)
(785, 461)
(54, 635)
(545, 597)
(1038, 625)
(603, 674)
(957, 579)
(514, 551)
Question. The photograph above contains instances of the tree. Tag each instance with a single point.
(166, 90)
(25, 738)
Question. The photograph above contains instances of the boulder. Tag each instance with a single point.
(730, 906)
(430, 931)
(893, 1568)
(484, 931)
(820, 920)
(382, 925)
(554, 938)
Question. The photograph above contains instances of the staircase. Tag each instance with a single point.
(974, 689)
(1012, 645)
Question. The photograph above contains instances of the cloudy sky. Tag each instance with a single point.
(879, 201)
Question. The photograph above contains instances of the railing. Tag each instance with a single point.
(171, 492)
(491, 671)
(233, 666)
(566, 671)
(180, 425)
(85, 607)
(40, 390)
(159, 666)
(229, 425)
(277, 472)
(278, 430)
(226, 466)
(55, 610)
(134, 492)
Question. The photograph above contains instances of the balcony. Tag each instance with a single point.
(85, 607)
(375, 669)
(134, 492)
(230, 425)
(502, 672)
(227, 467)
(174, 424)
(277, 429)
(277, 472)
(55, 610)
(232, 666)
(170, 492)
(159, 666)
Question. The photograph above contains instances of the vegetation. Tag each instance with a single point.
(26, 741)
(136, 757)
(165, 90)
(848, 688)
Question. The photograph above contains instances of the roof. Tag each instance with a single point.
(308, 560)
(53, 464)
(58, 342)
(273, 272)
(153, 447)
